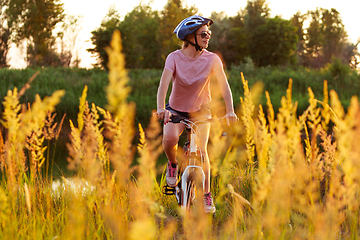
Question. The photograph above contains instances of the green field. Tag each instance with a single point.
(144, 85)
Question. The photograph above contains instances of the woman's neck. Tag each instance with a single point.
(190, 51)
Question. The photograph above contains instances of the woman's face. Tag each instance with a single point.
(203, 35)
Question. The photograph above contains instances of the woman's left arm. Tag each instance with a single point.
(226, 92)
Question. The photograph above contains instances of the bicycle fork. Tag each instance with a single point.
(191, 167)
(184, 183)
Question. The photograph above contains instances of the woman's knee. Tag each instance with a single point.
(171, 135)
(170, 140)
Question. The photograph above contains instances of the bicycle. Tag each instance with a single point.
(192, 176)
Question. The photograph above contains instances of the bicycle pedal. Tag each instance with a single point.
(167, 190)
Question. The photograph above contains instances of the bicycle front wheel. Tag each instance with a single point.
(194, 185)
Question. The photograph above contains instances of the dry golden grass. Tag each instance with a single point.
(273, 177)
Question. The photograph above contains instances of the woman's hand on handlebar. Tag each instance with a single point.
(231, 118)
(164, 114)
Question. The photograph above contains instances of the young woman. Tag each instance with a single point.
(190, 69)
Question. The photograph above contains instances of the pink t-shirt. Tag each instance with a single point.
(191, 79)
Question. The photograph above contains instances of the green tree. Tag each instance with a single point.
(255, 15)
(173, 13)
(229, 38)
(220, 29)
(5, 32)
(313, 40)
(297, 21)
(35, 20)
(101, 37)
(139, 32)
(334, 34)
(147, 38)
(325, 39)
(274, 43)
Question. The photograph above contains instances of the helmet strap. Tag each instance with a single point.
(196, 45)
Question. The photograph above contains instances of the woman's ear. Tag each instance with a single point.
(189, 37)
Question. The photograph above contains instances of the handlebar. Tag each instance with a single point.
(176, 118)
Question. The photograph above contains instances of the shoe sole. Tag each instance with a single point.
(171, 185)
(210, 210)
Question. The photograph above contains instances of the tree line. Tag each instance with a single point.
(147, 35)
(251, 35)
(42, 27)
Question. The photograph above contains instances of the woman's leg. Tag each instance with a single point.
(209, 206)
(171, 136)
(203, 142)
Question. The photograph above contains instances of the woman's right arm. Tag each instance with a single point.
(161, 95)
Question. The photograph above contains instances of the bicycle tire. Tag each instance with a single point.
(193, 182)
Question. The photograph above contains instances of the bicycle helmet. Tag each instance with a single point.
(191, 25)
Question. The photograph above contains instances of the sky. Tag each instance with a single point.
(92, 12)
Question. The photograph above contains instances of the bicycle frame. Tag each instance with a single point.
(192, 161)
(194, 153)
(193, 175)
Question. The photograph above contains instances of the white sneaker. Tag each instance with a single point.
(171, 174)
(209, 203)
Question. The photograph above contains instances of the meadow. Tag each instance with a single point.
(287, 170)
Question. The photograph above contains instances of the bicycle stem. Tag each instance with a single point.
(193, 148)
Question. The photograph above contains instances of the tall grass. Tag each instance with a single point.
(275, 175)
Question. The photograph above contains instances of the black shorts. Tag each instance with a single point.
(203, 113)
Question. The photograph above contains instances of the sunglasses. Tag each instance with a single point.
(205, 34)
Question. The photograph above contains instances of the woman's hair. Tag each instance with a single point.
(184, 44)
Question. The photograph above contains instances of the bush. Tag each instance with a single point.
(338, 69)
